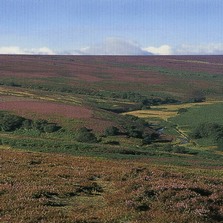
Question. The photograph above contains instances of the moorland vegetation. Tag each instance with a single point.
(111, 139)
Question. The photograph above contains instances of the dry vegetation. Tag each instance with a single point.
(153, 114)
(36, 187)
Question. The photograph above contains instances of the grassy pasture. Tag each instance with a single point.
(183, 123)
(169, 111)
(210, 112)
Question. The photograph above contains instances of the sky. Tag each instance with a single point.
(111, 27)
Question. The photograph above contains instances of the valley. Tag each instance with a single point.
(92, 139)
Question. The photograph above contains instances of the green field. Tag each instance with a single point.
(199, 114)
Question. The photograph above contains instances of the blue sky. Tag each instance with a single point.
(111, 26)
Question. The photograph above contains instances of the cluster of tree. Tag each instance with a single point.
(131, 96)
(159, 101)
(138, 98)
(131, 126)
(86, 135)
(121, 108)
(208, 130)
(141, 102)
(134, 127)
(9, 122)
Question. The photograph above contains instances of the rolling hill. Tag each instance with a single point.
(90, 139)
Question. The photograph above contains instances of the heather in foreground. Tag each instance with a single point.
(37, 187)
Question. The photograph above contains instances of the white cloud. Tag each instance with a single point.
(114, 46)
(162, 50)
(10, 50)
(111, 46)
(187, 49)
(118, 46)
(202, 49)
(18, 50)
(42, 50)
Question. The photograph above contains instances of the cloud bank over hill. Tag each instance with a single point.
(119, 46)
(162, 50)
(114, 46)
(201, 49)
(187, 49)
(32, 51)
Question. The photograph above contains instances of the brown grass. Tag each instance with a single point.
(153, 114)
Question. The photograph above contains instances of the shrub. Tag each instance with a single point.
(208, 130)
(147, 140)
(182, 110)
(168, 148)
(39, 125)
(27, 124)
(180, 149)
(112, 143)
(44, 126)
(85, 135)
(10, 122)
(111, 131)
(197, 96)
(135, 133)
(51, 128)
